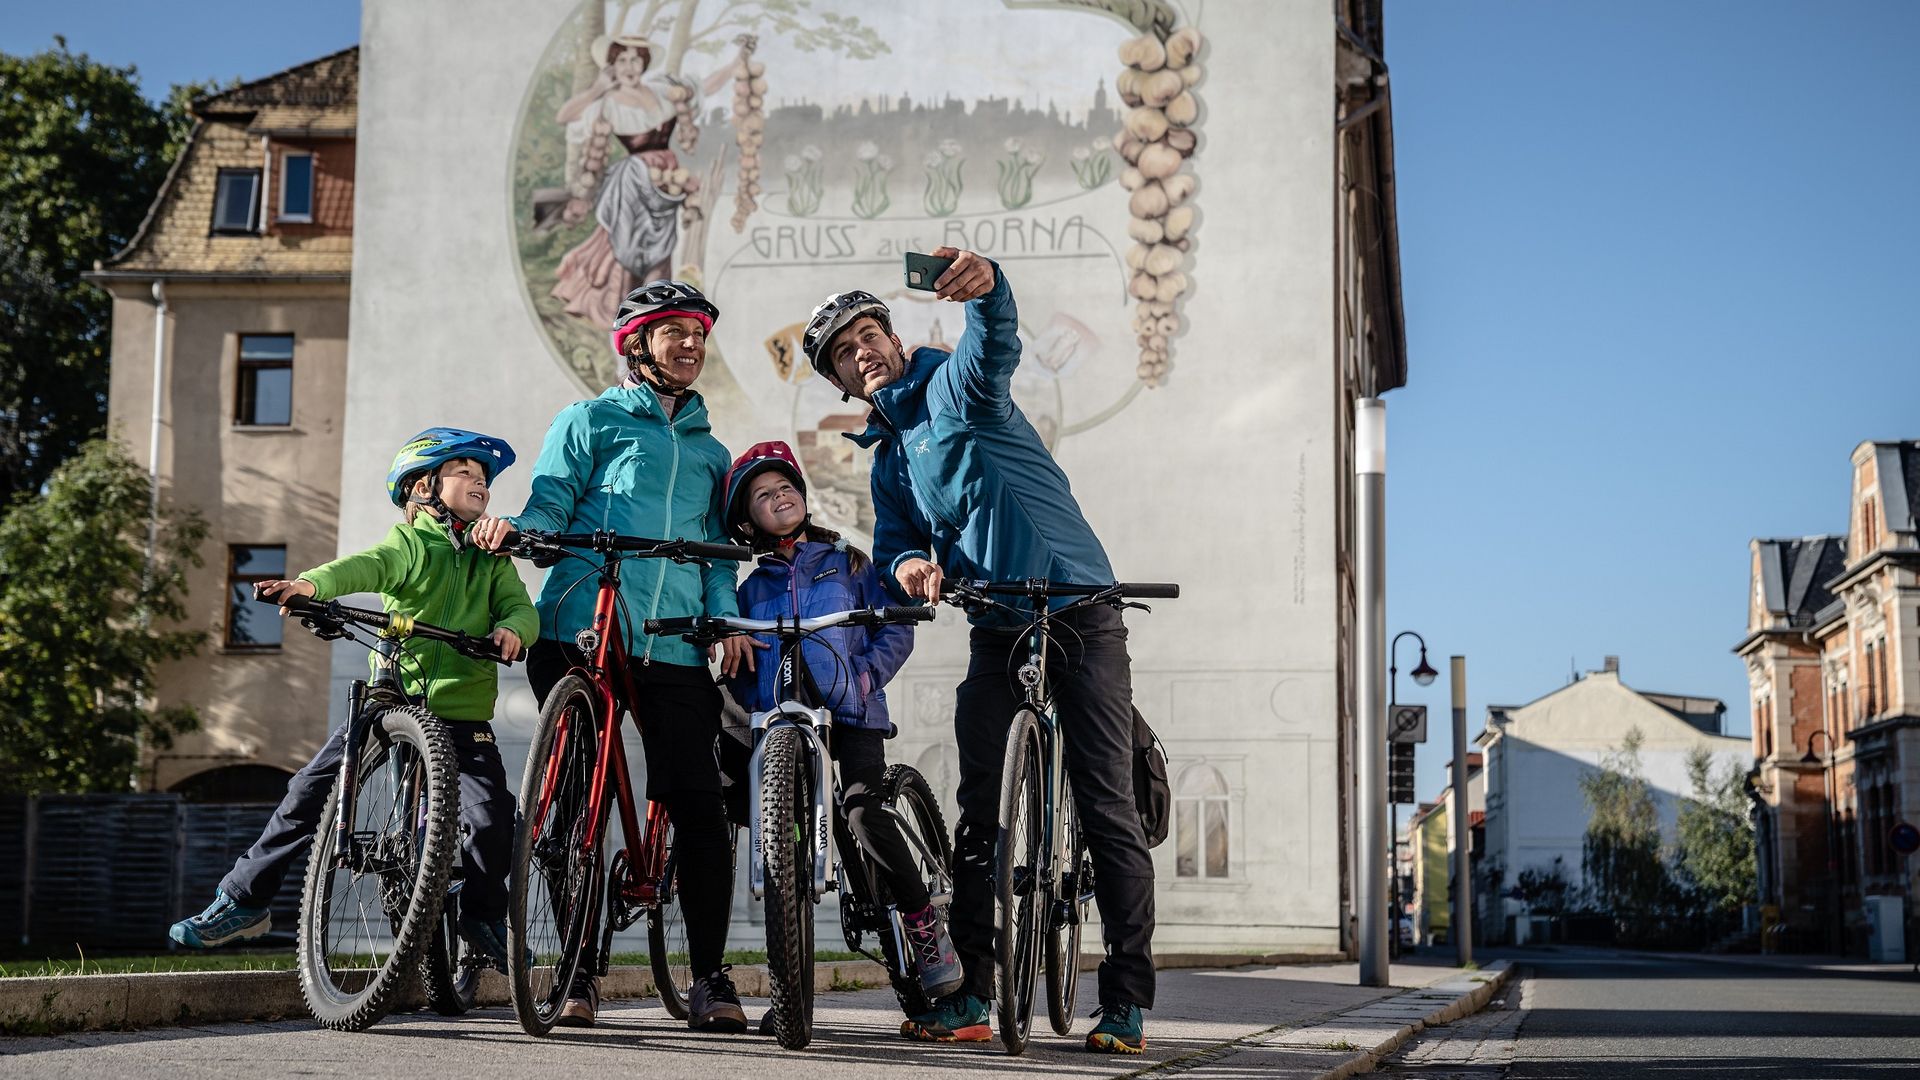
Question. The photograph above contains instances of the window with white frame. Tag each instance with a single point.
(1201, 823)
(296, 186)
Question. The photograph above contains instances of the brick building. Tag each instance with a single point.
(1833, 625)
(234, 291)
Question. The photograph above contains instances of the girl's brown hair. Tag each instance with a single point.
(857, 560)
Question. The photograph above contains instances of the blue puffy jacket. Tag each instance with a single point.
(614, 462)
(853, 664)
(960, 476)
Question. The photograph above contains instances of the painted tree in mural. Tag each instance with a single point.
(1162, 70)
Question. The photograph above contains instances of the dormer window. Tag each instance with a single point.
(236, 197)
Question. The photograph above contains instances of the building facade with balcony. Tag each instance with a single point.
(1832, 652)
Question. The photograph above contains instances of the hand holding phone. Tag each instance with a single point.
(924, 270)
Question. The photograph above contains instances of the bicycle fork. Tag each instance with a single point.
(349, 779)
(803, 720)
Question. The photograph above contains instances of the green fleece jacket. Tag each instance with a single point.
(417, 572)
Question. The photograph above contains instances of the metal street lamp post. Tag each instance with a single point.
(1424, 674)
(1835, 938)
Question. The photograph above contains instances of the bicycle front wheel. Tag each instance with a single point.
(1068, 914)
(554, 892)
(367, 909)
(1019, 879)
(786, 839)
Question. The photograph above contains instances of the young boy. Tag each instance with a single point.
(806, 571)
(424, 568)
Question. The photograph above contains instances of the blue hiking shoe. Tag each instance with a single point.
(955, 1018)
(222, 922)
(931, 947)
(489, 939)
(1121, 1030)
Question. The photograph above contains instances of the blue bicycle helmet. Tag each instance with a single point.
(435, 447)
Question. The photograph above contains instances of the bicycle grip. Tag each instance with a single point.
(683, 624)
(905, 614)
(294, 603)
(727, 552)
(1150, 590)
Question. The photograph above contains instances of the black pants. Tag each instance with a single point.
(1092, 684)
(862, 756)
(679, 716)
(486, 824)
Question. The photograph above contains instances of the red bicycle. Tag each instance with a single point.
(563, 896)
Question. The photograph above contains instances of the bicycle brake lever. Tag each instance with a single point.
(1125, 604)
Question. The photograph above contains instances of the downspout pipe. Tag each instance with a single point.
(153, 430)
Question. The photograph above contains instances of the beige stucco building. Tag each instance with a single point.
(1833, 664)
(236, 287)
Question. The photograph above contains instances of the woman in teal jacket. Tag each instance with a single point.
(641, 460)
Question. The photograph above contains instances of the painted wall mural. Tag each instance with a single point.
(776, 151)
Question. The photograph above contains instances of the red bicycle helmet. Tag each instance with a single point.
(758, 459)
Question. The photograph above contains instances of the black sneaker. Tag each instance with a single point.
(583, 1003)
(714, 1005)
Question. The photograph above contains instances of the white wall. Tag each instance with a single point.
(1221, 479)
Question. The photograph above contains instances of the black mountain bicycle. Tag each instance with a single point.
(388, 840)
(793, 786)
(1043, 875)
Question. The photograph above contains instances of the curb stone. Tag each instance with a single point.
(1347, 1043)
(68, 1003)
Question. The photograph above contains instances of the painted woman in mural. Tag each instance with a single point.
(638, 214)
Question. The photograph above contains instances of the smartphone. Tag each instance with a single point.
(924, 270)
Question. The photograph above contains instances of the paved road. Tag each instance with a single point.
(857, 1036)
(1605, 1015)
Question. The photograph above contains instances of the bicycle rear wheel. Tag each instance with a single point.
(554, 893)
(911, 798)
(366, 912)
(1019, 879)
(449, 971)
(786, 838)
(1068, 914)
(667, 936)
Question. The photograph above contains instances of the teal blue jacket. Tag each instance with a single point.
(614, 462)
(959, 475)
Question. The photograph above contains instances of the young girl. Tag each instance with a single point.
(805, 571)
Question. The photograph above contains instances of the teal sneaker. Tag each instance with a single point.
(954, 1018)
(222, 922)
(1122, 1030)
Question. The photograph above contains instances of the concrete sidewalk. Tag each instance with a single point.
(1309, 1021)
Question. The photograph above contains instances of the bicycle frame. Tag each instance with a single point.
(1033, 680)
(384, 689)
(612, 680)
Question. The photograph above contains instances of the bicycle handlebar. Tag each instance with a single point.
(326, 618)
(715, 627)
(533, 544)
(1037, 587)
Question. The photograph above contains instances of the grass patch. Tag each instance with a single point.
(1471, 965)
(129, 965)
(285, 961)
(1341, 1045)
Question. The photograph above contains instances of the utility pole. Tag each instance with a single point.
(1370, 675)
(1462, 927)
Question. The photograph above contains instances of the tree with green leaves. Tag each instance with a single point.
(1715, 850)
(82, 155)
(1626, 875)
(84, 623)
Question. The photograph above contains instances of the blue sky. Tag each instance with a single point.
(1659, 282)
(1658, 264)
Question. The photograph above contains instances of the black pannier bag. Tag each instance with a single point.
(1152, 795)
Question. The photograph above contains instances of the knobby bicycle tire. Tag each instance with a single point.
(786, 839)
(545, 946)
(415, 850)
(1063, 939)
(667, 937)
(447, 973)
(1020, 899)
(910, 796)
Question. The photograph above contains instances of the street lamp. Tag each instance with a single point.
(1424, 674)
(1835, 939)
